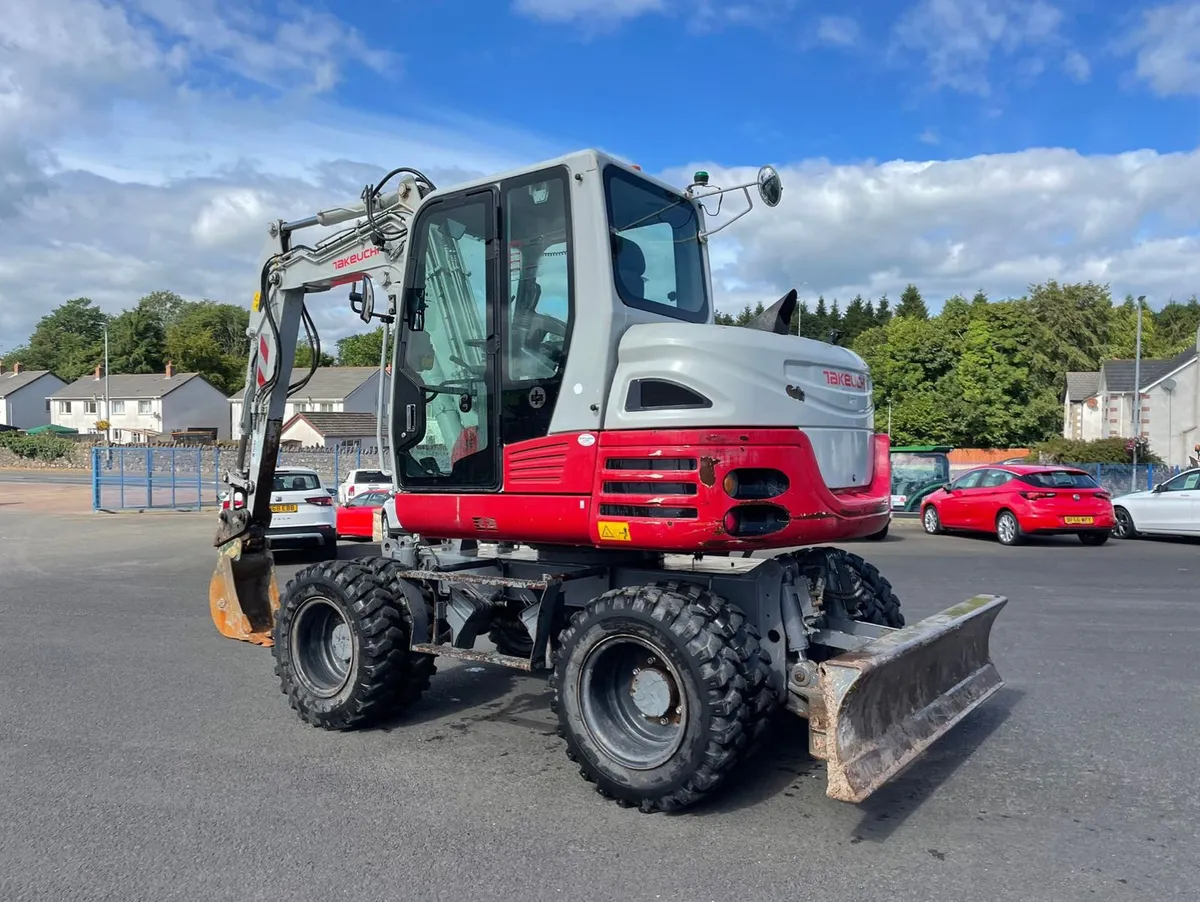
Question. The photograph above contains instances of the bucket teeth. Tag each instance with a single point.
(883, 704)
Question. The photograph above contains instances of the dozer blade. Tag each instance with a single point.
(243, 595)
(889, 700)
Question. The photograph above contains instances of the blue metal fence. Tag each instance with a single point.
(190, 478)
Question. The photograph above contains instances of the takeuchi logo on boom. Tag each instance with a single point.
(356, 257)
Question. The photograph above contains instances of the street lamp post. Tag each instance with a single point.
(107, 407)
(1137, 393)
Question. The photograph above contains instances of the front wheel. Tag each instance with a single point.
(341, 647)
(659, 691)
(930, 520)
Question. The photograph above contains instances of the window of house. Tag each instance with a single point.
(118, 407)
(116, 435)
(325, 407)
(89, 406)
(143, 406)
(64, 406)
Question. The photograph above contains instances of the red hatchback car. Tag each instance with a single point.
(1012, 501)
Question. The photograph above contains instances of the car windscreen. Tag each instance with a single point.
(296, 482)
(364, 476)
(1060, 479)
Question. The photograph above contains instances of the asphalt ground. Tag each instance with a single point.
(143, 756)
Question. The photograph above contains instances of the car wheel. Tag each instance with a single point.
(931, 521)
(1124, 528)
(1098, 537)
(1008, 529)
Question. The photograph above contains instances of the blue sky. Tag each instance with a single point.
(958, 144)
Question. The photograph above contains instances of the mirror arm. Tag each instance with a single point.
(750, 206)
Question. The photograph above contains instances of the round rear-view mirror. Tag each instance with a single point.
(770, 188)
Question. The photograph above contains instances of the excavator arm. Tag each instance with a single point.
(243, 594)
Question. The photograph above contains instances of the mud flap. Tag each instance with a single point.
(886, 702)
(243, 596)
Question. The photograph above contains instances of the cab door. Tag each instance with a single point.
(445, 399)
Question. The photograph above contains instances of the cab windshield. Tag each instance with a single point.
(658, 264)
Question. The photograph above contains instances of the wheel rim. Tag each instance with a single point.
(1007, 528)
(323, 650)
(1122, 525)
(930, 519)
(632, 702)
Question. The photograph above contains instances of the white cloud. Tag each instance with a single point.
(587, 11)
(929, 136)
(956, 40)
(1167, 44)
(840, 31)
(1076, 65)
(1000, 222)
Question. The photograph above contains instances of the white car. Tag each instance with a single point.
(1171, 508)
(302, 512)
(364, 480)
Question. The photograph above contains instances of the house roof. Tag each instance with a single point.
(1081, 386)
(1118, 374)
(328, 383)
(12, 382)
(336, 424)
(124, 385)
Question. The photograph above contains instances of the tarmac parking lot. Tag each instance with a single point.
(143, 756)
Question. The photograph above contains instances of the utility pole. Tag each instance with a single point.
(1137, 394)
(107, 407)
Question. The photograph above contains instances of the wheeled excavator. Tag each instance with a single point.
(597, 483)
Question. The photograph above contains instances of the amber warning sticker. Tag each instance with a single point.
(614, 532)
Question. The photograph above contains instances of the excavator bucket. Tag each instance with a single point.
(243, 595)
(887, 701)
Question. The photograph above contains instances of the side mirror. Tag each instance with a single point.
(1158, 488)
(946, 488)
(770, 188)
(363, 304)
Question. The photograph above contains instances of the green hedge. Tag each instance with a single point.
(1100, 451)
(36, 447)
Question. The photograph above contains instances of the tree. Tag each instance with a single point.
(1175, 326)
(69, 340)
(856, 321)
(883, 311)
(137, 340)
(303, 358)
(911, 303)
(1122, 333)
(955, 317)
(363, 349)
(210, 338)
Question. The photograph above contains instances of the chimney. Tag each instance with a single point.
(170, 369)
(99, 370)
(16, 368)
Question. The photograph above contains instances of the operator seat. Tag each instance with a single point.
(631, 267)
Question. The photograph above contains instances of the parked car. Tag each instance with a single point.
(302, 512)
(356, 518)
(917, 471)
(364, 480)
(1171, 508)
(1014, 501)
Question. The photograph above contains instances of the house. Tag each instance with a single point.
(1170, 403)
(344, 430)
(23, 403)
(143, 407)
(1082, 418)
(332, 389)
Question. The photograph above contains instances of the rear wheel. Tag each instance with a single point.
(1008, 529)
(659, 691)
(341, 647)
(881, 535)
(1099, 537)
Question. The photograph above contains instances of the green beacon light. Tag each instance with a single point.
(700, 178)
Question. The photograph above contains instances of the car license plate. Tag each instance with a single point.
(1079, 521)
(283, 508)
